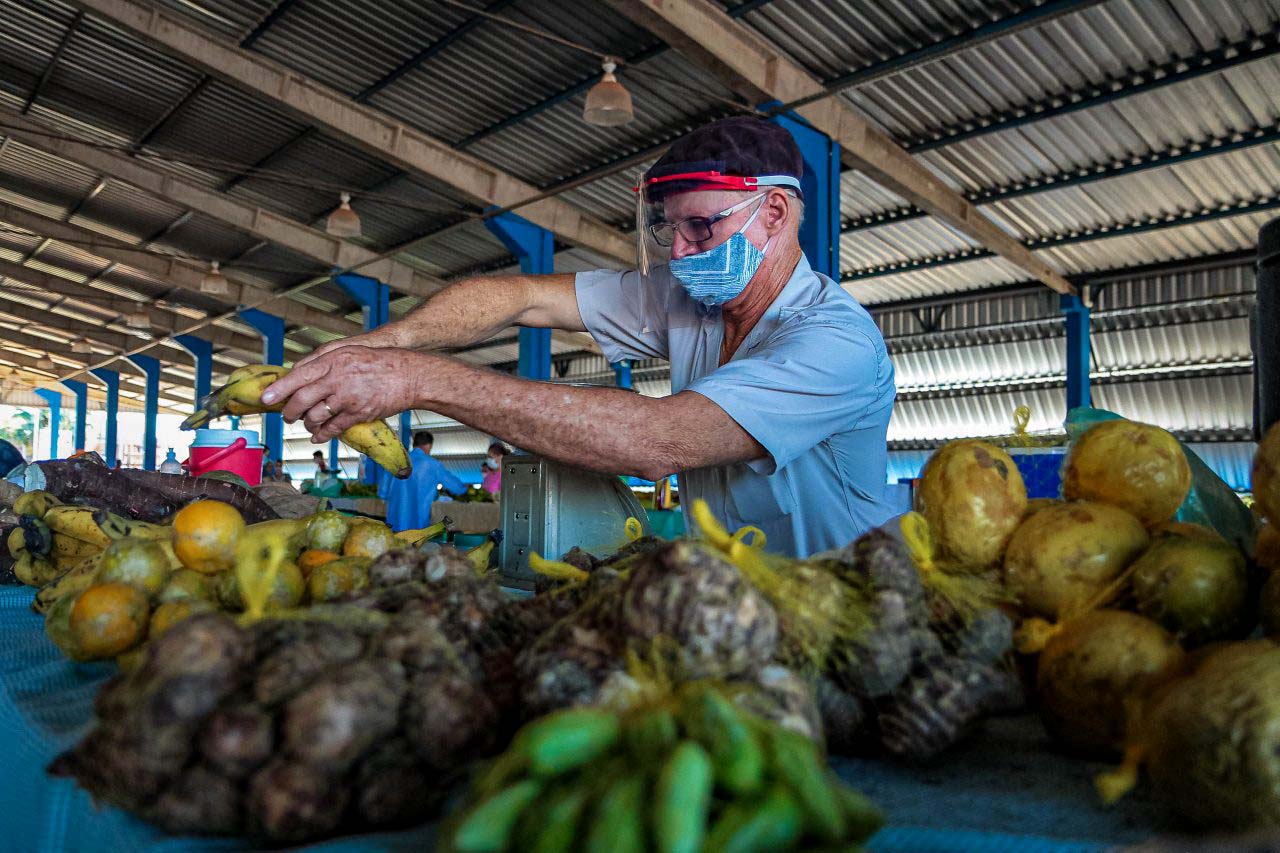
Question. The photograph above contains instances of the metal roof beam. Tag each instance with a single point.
(760, 71)
(372, 130)
(40, 344)
(255, 221)
(183, 275)
(133, 387)
(1086, 175)
(1121, 229)
(38, 88)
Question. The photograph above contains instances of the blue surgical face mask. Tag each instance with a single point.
(717, 275)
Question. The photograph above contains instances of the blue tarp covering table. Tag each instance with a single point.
(1002, 791)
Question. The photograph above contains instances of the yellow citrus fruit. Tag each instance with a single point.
(368, 539)
(327, 530)
(108, 619)
(974, 498)
(205, 535)
(312, 558)
(172, 612)
(337, 578)
(185, 583)
(1138, 467)
(288, 588)
(1266, 475)
(141, 562)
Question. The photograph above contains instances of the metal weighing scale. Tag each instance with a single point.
(549, 507)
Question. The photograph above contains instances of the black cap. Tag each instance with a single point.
(745, 146)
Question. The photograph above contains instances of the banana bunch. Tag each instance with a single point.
(242, 395)
(697, 773)
(52, 538)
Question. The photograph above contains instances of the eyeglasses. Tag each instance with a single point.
(695, 229)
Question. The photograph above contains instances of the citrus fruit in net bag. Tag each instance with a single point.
(108, 619)
(368, 539)
(205, 534)
(1196, 588)
(1138, 467)
(141, 562)
(973, 497)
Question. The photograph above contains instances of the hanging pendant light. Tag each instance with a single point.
(81, 346)
(138, 318)
(608, 102)
(343, 222)
(45, 363)
(214, 282)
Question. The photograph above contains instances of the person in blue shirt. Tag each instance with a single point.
(782, 388)
(409, 500)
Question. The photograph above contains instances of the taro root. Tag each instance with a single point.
(237, 739)
(294, 667)
(778, 694)
(568, 664)
(842, 716)
(718, 624)
(937, 706)
(290, 802)
(393, 788)
(447, 563)
(200, 801)
(332, 724)
(400, 565)
(415, 640)
(448, 719)
(987, 638)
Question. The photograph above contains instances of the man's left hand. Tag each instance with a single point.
(347, 386)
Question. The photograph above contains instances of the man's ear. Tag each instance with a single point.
(776, 212)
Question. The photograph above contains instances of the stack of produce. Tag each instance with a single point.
(692, 772)
(309, 722)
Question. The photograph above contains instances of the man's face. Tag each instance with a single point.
(708, 204)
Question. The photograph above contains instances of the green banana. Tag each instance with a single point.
(863, 819)
(564, 740)
(242, 395)
(618, 823)
(652, 735)
(487, 828)
(557, 823)
(736, 753)
(796, 762)
(746, 826)
(682, 799)
(36, 502)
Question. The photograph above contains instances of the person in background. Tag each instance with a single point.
(409, 500)
(268, 471)
(491, 468)
(321, 466)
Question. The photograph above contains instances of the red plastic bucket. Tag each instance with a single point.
(234, 450)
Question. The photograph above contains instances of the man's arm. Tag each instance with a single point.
(451, 483)
(603, 429)
(473, 310)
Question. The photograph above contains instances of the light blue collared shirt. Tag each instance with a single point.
(812, 382)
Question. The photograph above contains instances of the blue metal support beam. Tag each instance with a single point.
(150, 368)
(77, 387)
(622, 373)
(820, 230)
(374, 299)
(202, 351)
(271, 329)
(334, 465)
(54, 399)
(534, 247)
(111, 379)
(1079, 359)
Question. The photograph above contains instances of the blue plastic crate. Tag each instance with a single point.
(1041, 469)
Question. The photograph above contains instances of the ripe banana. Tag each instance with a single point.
(67, 548)
(72, 582)
(33, 570)
(422, 534)
(35, 503)
(17, 542)
(115, 527)
(76, 522)
(242, 395)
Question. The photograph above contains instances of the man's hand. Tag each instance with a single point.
(375, 338)
(346, 386)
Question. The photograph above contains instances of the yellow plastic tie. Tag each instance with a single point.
(1113, 785)
(556, 569)
(1034, 634)
(919, 541)
(633, 528)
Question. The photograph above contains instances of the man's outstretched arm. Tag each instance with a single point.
(603, 429)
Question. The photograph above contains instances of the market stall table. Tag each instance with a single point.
(1003, 790)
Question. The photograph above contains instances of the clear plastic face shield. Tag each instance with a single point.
(658, 229)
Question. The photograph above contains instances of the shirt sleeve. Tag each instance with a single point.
(803, 386)
(449, 480)
(618, 310)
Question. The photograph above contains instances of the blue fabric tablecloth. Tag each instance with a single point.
(1002, 791)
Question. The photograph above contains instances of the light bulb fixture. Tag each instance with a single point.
(343, 222)
(608, 103)
(81, 346)
(45, 363)
(214, 282)
(138, 318)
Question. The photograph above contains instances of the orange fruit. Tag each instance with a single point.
(205, 535)
(172, 612)
(141, 562)
(368, 539)
(108, 619)
(337, 578)
(312, 558)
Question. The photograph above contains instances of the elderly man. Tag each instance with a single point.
(781, 385)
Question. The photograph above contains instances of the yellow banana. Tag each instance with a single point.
(32, 570)
(76, 522)
(72, 582)
(17, 542)
(422, 534)
(67, 547)
(35, 503)
(116, 527)
(242, 395)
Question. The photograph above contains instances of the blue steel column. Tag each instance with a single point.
(112, 380)
(535, 248)
(150, 367)
(202, 351)
(271, 328)
(1078, 354)
(820, 231)
(334, 465)
(374, 298)
(622, 373)
(75, 386)
(54, 399)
